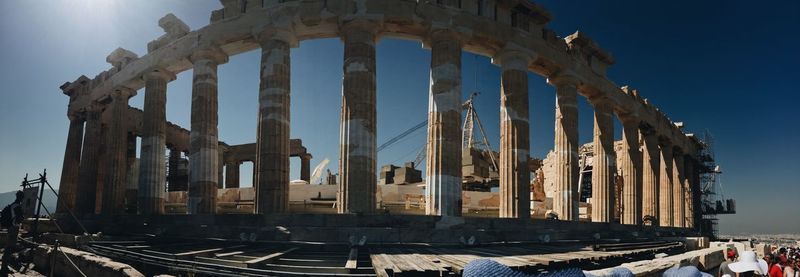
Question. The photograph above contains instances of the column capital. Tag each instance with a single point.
(212, 53)
(365, 24)
(122, 93)
(159, 73)
(442, 33)
(285, 34)
(564, 77)
(602, 103)
(76, 116)
(514, 57)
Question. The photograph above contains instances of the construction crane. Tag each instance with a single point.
(468, 135)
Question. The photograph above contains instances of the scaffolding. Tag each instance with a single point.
(712, 198)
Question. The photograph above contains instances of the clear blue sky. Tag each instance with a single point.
(728, 66)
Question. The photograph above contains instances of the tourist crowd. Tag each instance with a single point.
(779, 262)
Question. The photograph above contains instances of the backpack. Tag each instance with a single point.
(6, 217)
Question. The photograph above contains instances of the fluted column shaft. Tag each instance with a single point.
(232, 174)
(678, 191)
(665, 185)
(443, 169)
(689, 187)
(631, 169)
(86, 192)
(515, 191)
(69, 172)
(602, 171)
(152, 164)
(305, 168)
(357, 153)
(566, 201)
(272, 161)
(114, 184)
(204, 137)
(651, 168)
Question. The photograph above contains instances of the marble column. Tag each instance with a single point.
(603, 162)
(678, 192)
(651, 168)
(443, 169)
(631, 168)
(232, 174)
(515, 179)
(566, 201)
(132, 175)
(358, 153)
(221, 149)
(204, 137)
(665, 191)
(114, 184)
(305, 167)
(152, 169)
(68, 186)
(690, 185)
(272, 160)
(86, 192)
(175, 182)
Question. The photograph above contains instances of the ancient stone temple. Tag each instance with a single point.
(656, 163)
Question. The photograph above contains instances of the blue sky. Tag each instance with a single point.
(726, 66)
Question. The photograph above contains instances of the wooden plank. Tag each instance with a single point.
(220, 261)
(251, 263)
(206, 251)
(159, 254)
(382, 267)
(352, 259)
(222, 255)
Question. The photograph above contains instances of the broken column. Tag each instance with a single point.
(443, 170)
(651, 168)
(602, 168)
(152, 172)
(565, 201)
(665, 191)
(272, 142)
(515, 191)
(69, 172)
(204, 139)
(305, 167)
(232, 174)
(357, 153)
(678, 193)
(631, 170)
(114, 183)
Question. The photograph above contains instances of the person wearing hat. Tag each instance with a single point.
(723, 267)
(749, 265)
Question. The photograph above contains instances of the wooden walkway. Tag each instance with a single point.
(443, 261)
(237, 258)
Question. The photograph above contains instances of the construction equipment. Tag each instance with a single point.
(710, 202)
(468, 137)
(316, 175)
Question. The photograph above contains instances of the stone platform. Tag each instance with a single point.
(378, 228)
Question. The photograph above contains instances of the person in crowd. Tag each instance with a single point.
(788, 267)
(749, 265)
(775, 269)
(11, 219)
(730, 258)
